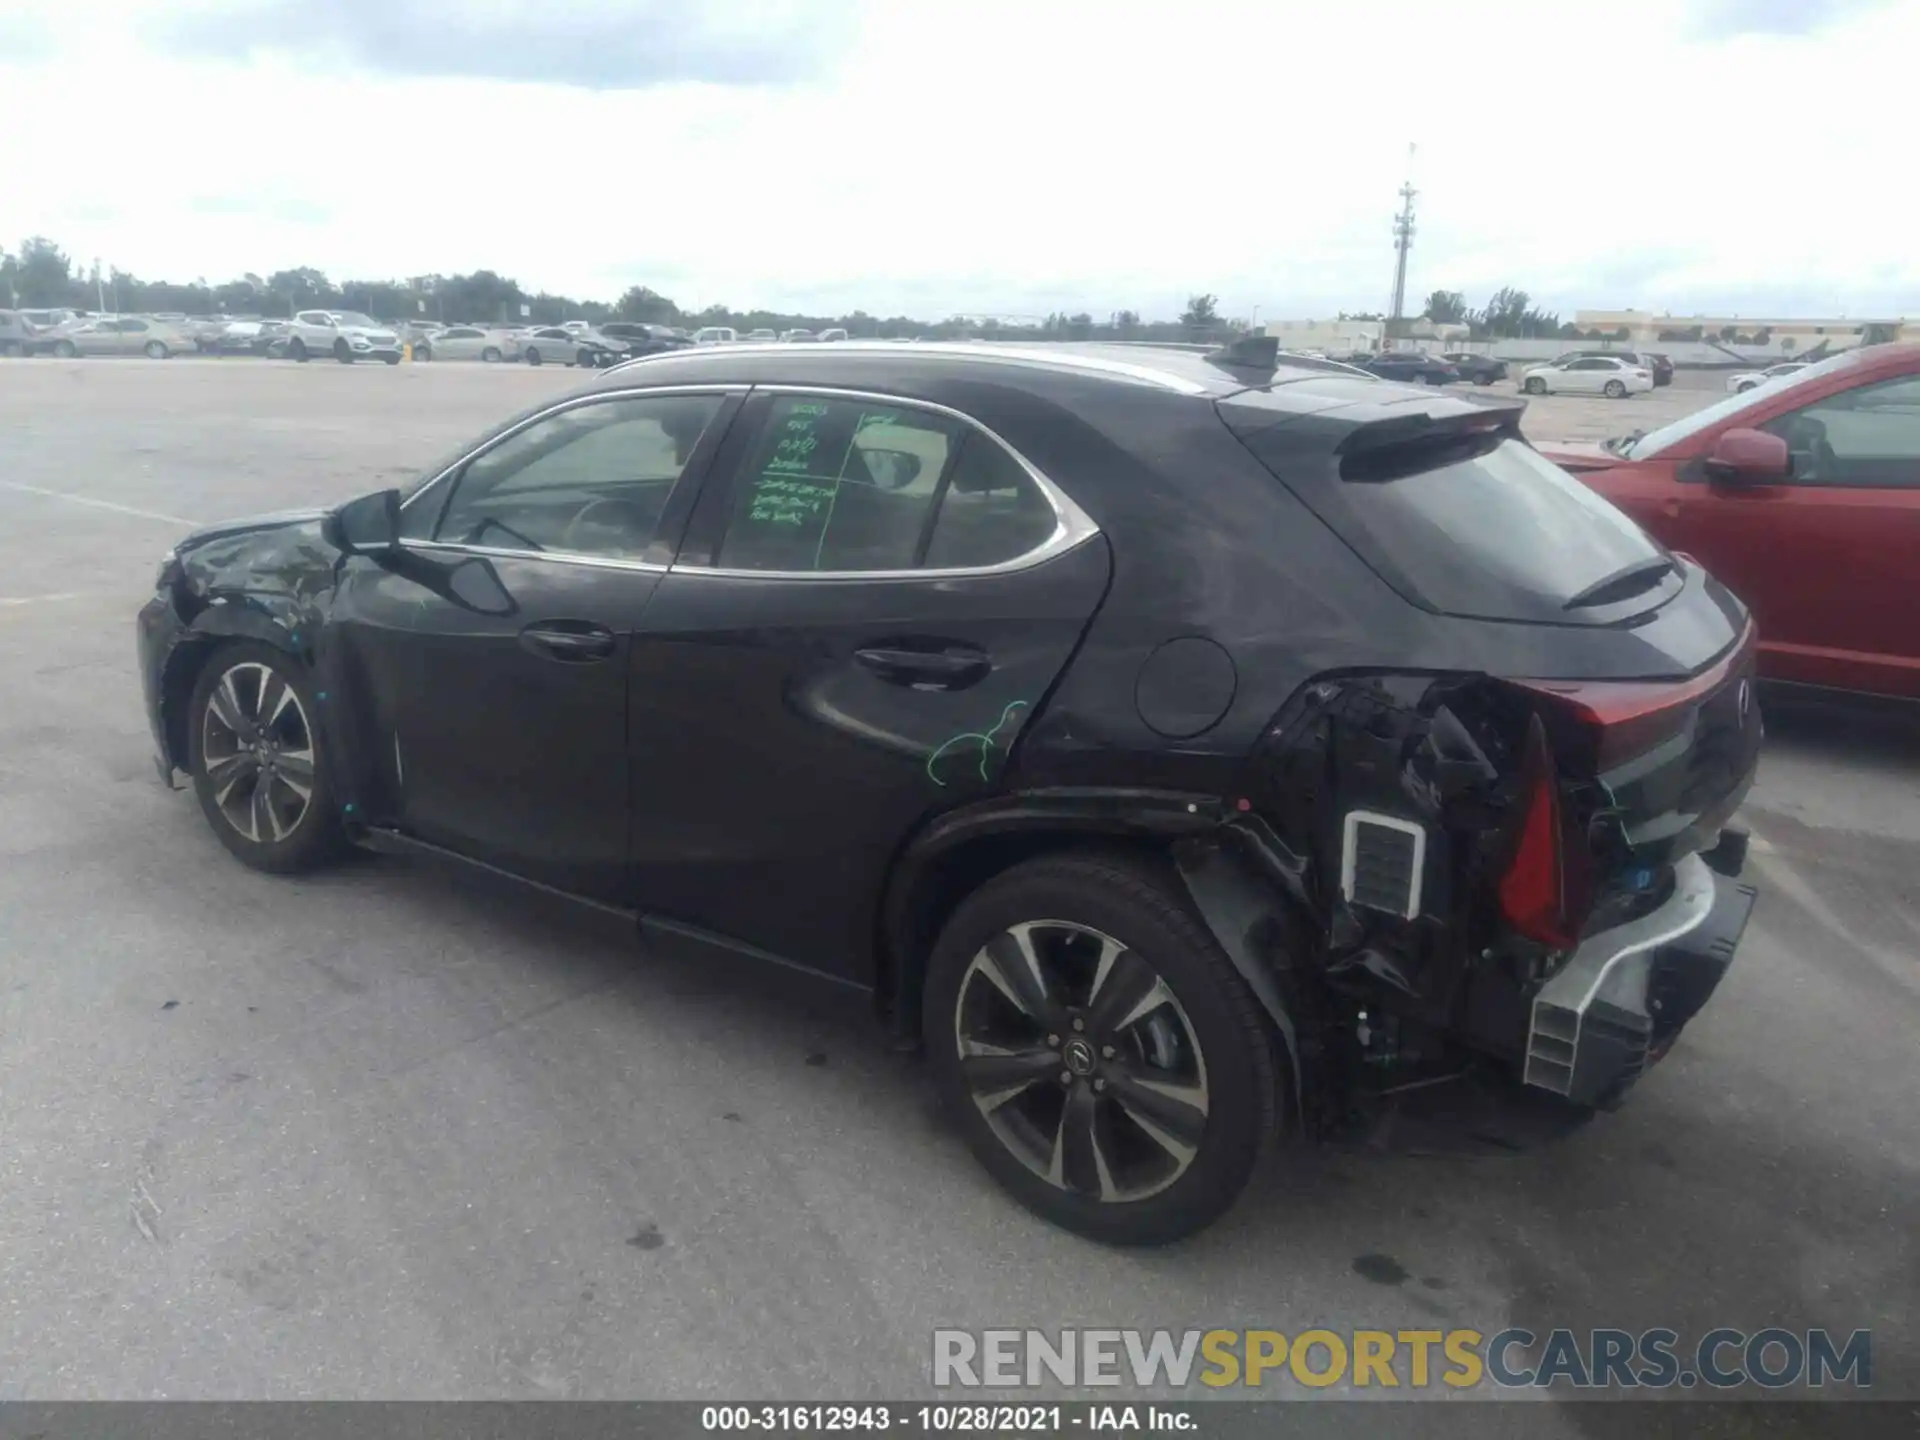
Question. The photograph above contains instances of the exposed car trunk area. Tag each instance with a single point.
(1462, 840)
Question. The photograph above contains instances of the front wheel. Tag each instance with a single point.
(65, 349)
(1742, 389)
(258, 769)
(1483, 378)
(491, 355)
(533, 357)
(393, 359)
(298, 350)
(1105, 1061)
(1615, 390)
(343, 352)
(423, 352)
(1536, 386)
(156, 350)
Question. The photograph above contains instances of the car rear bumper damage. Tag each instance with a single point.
(1615, 1007)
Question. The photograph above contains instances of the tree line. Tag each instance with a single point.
(41, 275)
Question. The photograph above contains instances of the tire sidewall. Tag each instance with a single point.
(298, 350)
(318, 835)
(1244, 1088)
(1615, 390)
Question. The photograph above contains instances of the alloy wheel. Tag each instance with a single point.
(256, 745)
(1081, 1060)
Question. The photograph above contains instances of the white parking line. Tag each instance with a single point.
(10, 600)
(97, 504)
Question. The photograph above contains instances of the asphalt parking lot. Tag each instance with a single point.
(391, 1133)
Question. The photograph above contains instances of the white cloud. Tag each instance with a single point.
(1009, 155)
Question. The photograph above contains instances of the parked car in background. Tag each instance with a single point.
(346, 335)
(1413, 367)
(1588, 375)
(470, 342)
(832, 333)
(839, 718)
(16, 335)
(49, 319)
(552, 345)
(762, 334)
(1480, 369)
(715, 335)
(116, 335)
(797, 337)
(1803, 496)
(1753, 379)
(1658, 366)
(641, 339)
(245, 337)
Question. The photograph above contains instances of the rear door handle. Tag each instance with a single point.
(572, 641)
(949, 669)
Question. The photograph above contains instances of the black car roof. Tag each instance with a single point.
(928, 369)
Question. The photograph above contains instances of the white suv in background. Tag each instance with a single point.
(346, 335)
(715, 335)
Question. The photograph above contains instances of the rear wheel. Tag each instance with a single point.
(343, 352)
(1744, 387)
(258, 770)
(1105, 1061)
(1536, 386)
(491, 354)
(1483, 378)
(423, 352)
(298, 350)
(1615, 390)
(65, 349)
(533, 357)
(156, 350)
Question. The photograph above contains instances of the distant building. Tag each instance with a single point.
(1348, 337)
(1643, 328)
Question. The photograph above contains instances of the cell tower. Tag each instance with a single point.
(1402, 242)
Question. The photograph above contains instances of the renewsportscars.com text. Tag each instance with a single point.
(1722, 1359)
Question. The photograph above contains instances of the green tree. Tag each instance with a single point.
(648, 308)
(1446, 307)
(43, 275)
(1201, 311)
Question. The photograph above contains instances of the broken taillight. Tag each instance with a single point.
(1533, 888)
(1614, 721)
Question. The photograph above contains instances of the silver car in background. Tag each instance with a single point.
(556, 345)
(470, 342)
(116, 335)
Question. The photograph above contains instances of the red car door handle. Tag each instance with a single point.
(1670, 508)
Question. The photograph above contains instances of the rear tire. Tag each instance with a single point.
(156, 350)
(423, 352)
(343, 352)
(1483, 378)
(533, 357)
(1614, 390)
(1135, 988)
(1535, 386)
(491, 355)
(282, 832)
(66, 350)
(298, 350)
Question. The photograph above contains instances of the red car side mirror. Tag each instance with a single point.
(1749, 457)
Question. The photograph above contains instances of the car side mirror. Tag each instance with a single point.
(367, 526)
(1749, 457)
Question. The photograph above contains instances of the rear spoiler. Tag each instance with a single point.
(1402, 444)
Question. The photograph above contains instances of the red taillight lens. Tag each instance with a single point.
(1622, 719)
(1533, 890)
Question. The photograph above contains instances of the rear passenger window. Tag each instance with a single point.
(992, 511)
(835, 485)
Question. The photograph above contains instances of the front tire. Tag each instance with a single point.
(1742, 389)
(66, 350)
(343, 352)
(156, 350)
(393, 359)
(258, 769)
(298, 349)
(1104, 1060)
(1536, 386)
(491, 355)
(1615, 390)
(533, 357)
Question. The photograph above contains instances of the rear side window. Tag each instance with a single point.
(991, 512)
(835, 485)
(1480, 526)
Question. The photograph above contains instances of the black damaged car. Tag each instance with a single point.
(1187, 751)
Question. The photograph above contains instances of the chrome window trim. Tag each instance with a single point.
(570, 402)
(561, 557)
(1072, 525)
(946, 350)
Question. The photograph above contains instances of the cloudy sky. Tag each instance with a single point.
(1012, 156)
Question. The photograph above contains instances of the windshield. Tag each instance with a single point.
(1654, 442)
(356, 319)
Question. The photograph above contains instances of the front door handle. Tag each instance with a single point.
(573, 641)
(945, 669)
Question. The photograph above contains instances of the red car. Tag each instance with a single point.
(1803, 498)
